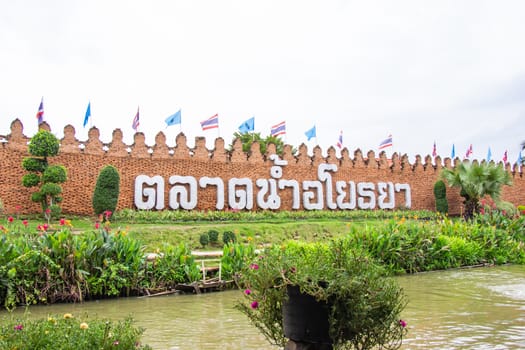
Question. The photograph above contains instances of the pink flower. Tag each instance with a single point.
(18, 208)
(25, 223)
(97, 225)
(254, 267)
(247, 292)
(10, 219)
(107, 214)
(46, 226)
(402, 323)
(254, 304)
(48, 211)
(115, 342)
(18, 327)
(62, 222)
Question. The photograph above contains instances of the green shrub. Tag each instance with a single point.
(54, 173)
(30, 180)
(440, 194)
(442, 205)
(228, 237)
(213, 236)
(34, 164)
(68, 332)
(44, 144)
(107, 190)
(204, 239)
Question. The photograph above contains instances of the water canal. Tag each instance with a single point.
(479, 308)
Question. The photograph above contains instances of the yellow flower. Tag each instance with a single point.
(51, 319)
(84, 325)
(66, 316)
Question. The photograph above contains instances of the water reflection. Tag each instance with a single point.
(481, 308)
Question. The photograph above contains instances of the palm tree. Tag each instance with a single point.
(477, 181)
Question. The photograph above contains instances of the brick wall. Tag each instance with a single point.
(84, 160)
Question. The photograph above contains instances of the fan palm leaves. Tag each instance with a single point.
(477, 180)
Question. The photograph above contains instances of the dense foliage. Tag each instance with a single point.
(107, 190)
(53, 264)
(49, 177)
(67, 332)
(170, 216)
(248, 138)
(57, 265)
(477, 180)
(363, 305)
(440, 195)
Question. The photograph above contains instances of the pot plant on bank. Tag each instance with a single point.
(322, 296)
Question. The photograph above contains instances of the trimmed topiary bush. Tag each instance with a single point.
(213, 236)
(440, 194)
(204, 239)
(228, 237)
(107, 190)
(49, 177)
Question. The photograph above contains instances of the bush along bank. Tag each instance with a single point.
(405, 246)
(57, 265)
(68, 332)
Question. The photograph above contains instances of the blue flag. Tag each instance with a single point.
(88, 114)
(174, 119)
(311, 133)
(248, 125)
(453, 153)
(489, 155)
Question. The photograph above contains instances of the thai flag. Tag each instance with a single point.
(136, 121)
(40, 113)
(278, 129)
(469, 151)
(340, 140)
(505, 157)
(210, 123)
(386, 142)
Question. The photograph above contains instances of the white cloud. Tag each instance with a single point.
(447, 71)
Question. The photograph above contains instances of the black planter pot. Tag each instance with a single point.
(305, 320)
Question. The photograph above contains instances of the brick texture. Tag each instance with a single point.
(84, 160)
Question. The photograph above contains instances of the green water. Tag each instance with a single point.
(481, 308)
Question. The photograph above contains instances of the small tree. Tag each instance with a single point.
(248, 138)
(49, 177)
(107, 190)
(440, 194)
(477, 181)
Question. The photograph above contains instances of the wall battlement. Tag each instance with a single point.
(85, 159)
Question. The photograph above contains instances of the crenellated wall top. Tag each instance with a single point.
(16, 140)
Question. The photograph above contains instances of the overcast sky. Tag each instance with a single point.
(452, 72)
